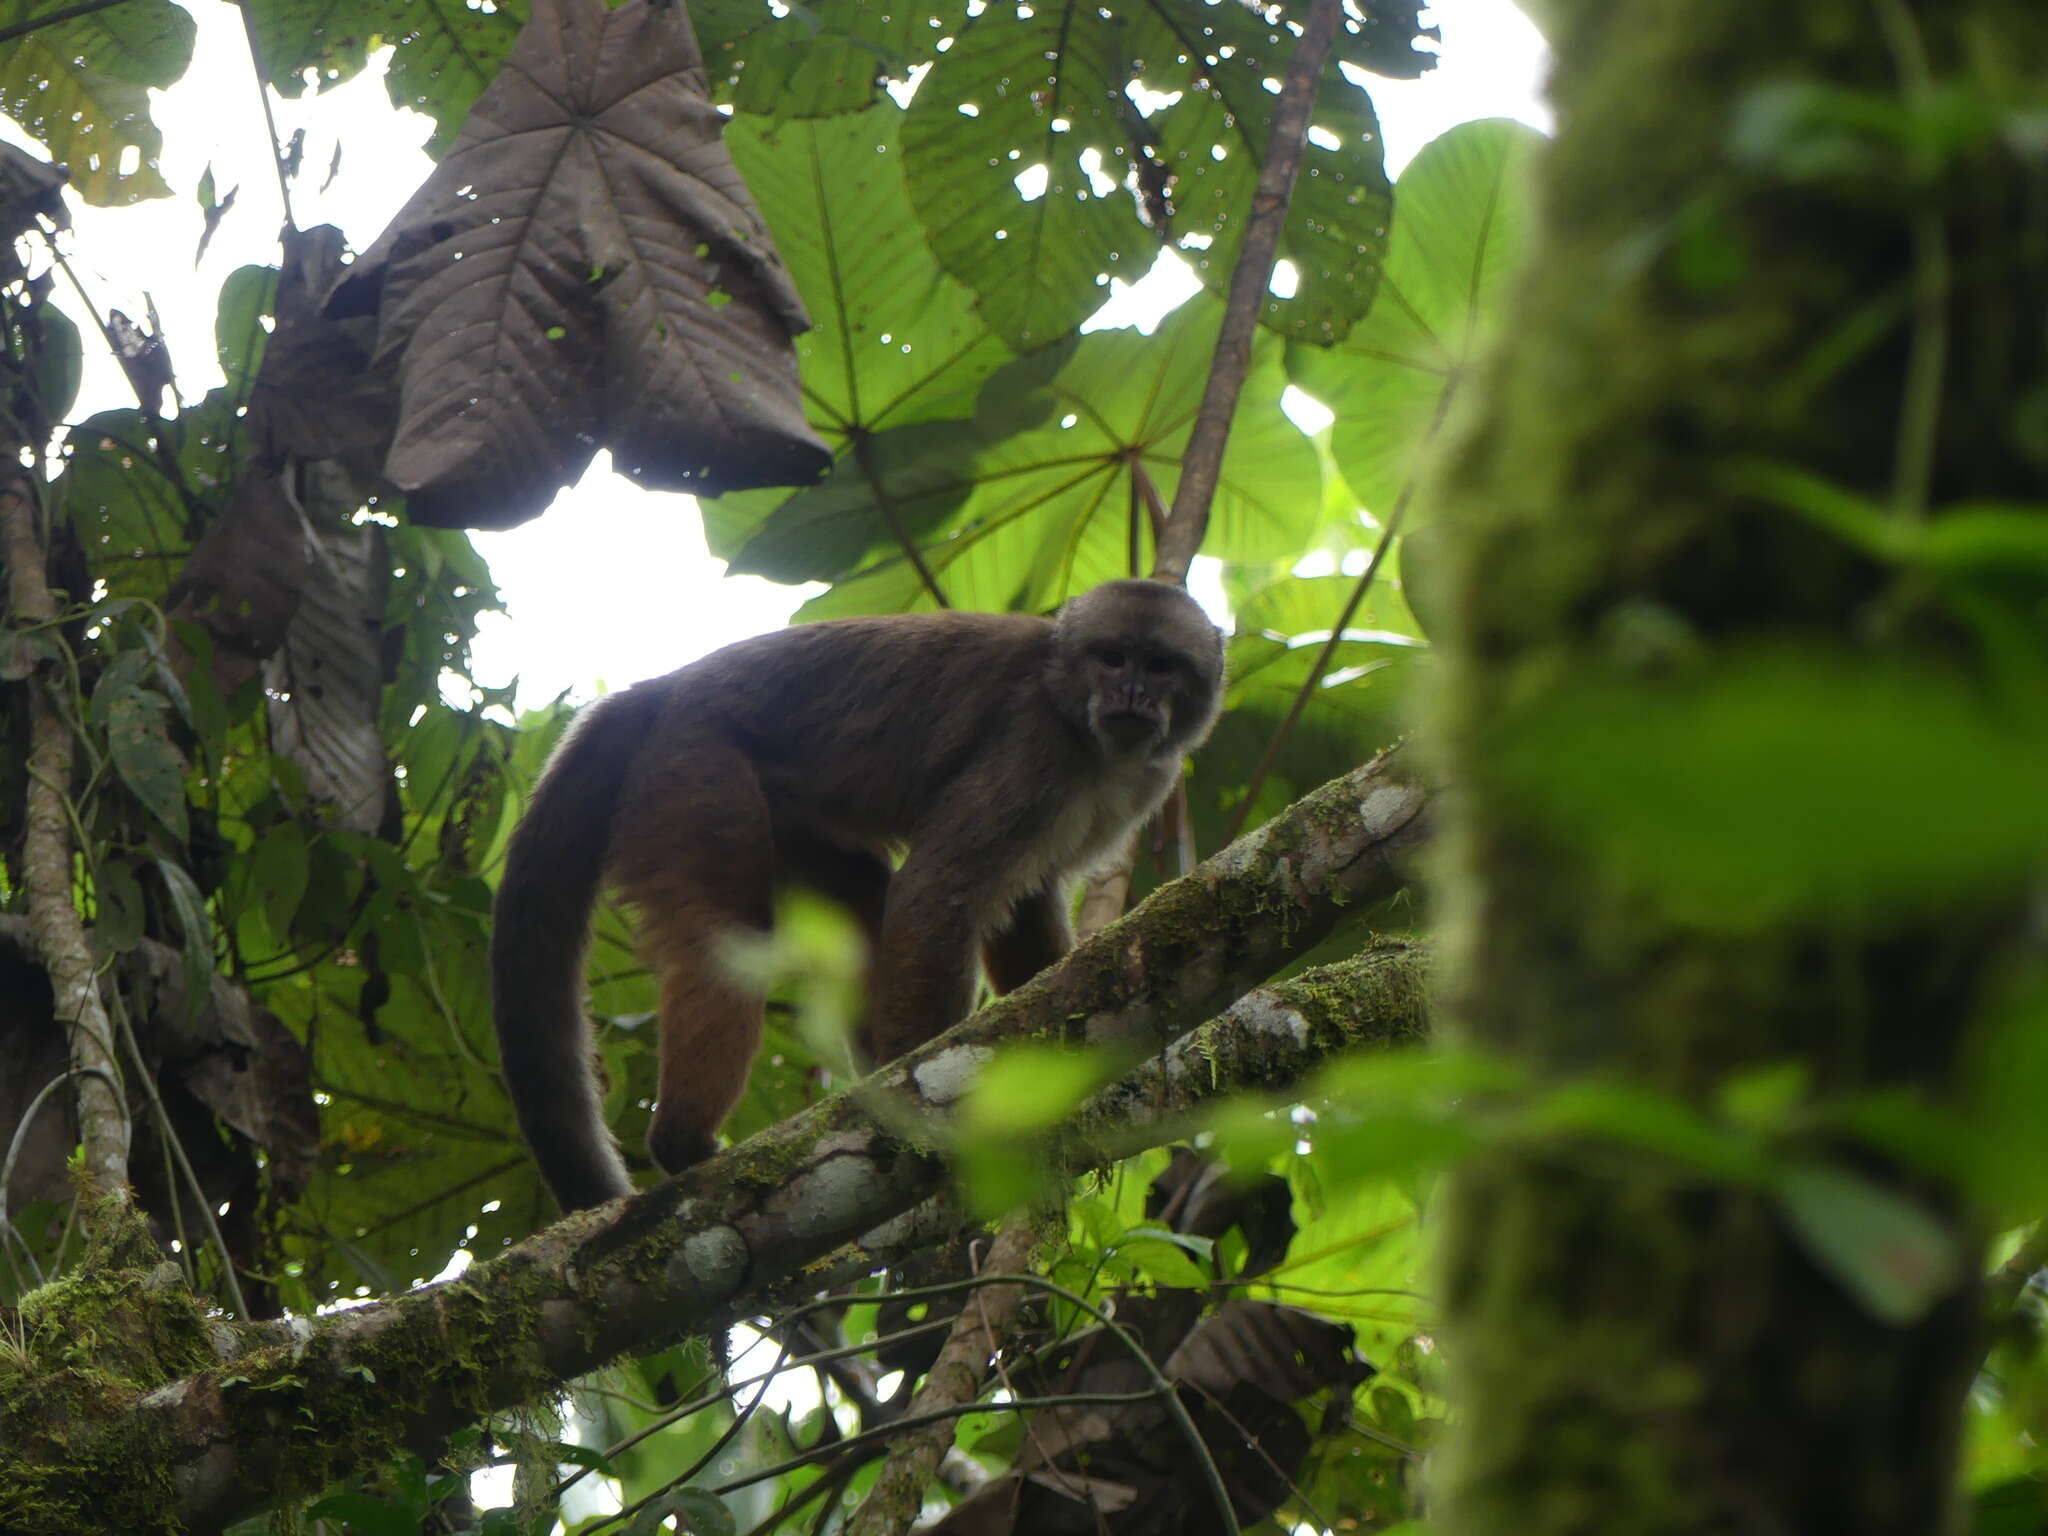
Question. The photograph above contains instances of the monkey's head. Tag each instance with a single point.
(1138, 666)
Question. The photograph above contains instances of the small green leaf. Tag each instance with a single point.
(278, 869)
(1164, 1259)
(1764, 1099)
(119, 915)
(1029, 1087)
(191, 909)
(149, 764)
(59, 364)
(703, 1513)
(1888, 1252)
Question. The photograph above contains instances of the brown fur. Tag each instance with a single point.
(1009, 753)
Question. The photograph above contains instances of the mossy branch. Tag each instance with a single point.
(323, 1399)
(60, 937)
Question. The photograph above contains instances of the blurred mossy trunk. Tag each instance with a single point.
(1633, 1350)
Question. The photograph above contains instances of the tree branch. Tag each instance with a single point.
(771, 1215)
(60, 935)
(955, 1378)
(1250, 281)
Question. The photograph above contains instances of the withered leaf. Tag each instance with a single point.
(243, 580)
(316, 395)
(585, 270)
(326, 680)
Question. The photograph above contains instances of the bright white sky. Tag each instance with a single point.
(614, 584)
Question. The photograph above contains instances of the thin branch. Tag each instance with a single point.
(956, 1377)
(1163, 1391)
(59, 932)
(1250, 281)
(1321, 665)
(767, 1217)
(1316, 670)
(284, 190)
(147, 1078)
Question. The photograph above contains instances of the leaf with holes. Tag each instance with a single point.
(820, 58)
(1215, 141)
(1014, 147)
(443, 54)
(82, 87)
(585, 270)
(897, 340)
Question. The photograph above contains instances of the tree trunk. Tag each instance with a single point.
(1730, 273)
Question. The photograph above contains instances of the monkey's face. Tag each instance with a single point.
(1144, 665)
(1132, 693)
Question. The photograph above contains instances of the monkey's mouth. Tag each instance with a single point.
(1127, 728)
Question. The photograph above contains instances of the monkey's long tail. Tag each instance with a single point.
(553, 869)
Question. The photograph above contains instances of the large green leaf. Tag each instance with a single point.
(1215, 139)
(894, 340)
(82, 87)
(1359, 706)
(815, 58)
(137, 524)
(1460, 221)
(1020, 92)
(1050, 508)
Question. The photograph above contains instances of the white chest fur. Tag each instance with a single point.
(1092, 824)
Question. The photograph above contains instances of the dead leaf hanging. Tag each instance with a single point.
(585, 270)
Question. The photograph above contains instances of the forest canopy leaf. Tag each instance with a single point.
(818, 58)
(442, 54)
(82, 87)
(897, 340)
(1014, 149)
(1460, 221)
(585, 270)
(1216, 139)
(1050, 512)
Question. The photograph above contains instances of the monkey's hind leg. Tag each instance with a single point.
(694, 853)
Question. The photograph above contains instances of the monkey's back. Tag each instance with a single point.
(855, 728)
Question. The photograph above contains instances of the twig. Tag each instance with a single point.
(177, 1155)
(1307, 691)
(284, 190)
(1316, 670)
(46, 874)
(955, 1377)
(1162, 1391)
(1250, 280)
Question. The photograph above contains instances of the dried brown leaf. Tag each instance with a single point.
(586, 270)
(243, 580)
(316, 395)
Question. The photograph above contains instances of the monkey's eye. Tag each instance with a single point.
(1109, 656)
(1159, 666)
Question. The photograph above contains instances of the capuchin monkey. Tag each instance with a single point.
(1007, 753)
